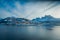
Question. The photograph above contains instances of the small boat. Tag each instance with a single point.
(49, 29)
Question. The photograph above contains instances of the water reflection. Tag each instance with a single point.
(48, 32)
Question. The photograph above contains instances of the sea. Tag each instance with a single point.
(17, 32)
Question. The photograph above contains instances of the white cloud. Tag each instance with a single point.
(31, 10)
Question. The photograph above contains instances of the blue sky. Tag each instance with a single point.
(29, 9)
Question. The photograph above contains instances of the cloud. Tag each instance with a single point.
(29, 10)
(40, 9)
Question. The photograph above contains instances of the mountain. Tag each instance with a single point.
(13, 20)
(8, 20)
(45, 18)
(36, 20)
(0, 20)
(21, 19)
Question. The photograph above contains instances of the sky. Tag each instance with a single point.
(29, 9)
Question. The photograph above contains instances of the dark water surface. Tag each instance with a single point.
(9, 32)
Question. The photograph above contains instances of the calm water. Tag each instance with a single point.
(8, 32)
